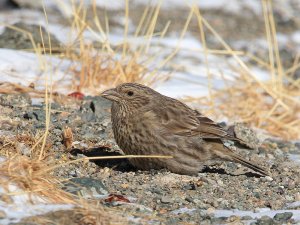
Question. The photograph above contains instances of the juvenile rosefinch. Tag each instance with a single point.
(146, 122)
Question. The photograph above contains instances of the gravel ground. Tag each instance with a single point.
(159, 196)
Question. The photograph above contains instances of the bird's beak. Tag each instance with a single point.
(111, 94)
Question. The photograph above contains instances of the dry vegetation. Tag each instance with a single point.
(103, 64)
(271, 105)
(31, 177)
(100, 65)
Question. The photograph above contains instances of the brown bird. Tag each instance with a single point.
(146, 122)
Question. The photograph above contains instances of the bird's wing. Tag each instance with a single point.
(183, 121)
(212, 129)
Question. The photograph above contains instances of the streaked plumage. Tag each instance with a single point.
(146, 122)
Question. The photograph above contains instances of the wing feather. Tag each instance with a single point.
(183, 121)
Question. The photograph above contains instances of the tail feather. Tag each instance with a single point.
(250, 165)
(228, 154)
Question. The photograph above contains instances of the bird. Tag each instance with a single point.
(145, 122)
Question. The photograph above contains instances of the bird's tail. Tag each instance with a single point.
(228, 154)
(256, 168)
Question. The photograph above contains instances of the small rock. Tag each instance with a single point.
(23, 149)
(233, 218)
(246, 218)
(157, 191)
(218, 220)
(6, 198)
(265, 220)
(297, 197)
(278, 152)
(14, 39)
(291, 185)
(166, 200)
(283, 216)
(57, 132)
(88, 117)
(267, 178)
(256, 210)
(189, 186)
(289, 198)
(87, 187)
(189, 199)
(2, 214)
(172, 220)
(210, 210)
(247, 135)
(19, 100)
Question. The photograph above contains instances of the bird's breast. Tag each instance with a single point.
(132, 134)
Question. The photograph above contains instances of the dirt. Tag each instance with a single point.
(157, 196)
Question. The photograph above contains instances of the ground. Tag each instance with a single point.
(223, 193)
(151, 195)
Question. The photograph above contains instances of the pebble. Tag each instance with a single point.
(189, 186)
(297, 197)
(217, 220)
(267, 178)
(233, 218)
(2, 214)
(246, 218)
(207, 192)
(87, 187)
(166, 200)
(210, 210)
(189, 199)
(282, 217)
(23, 149)
(265, 220)
(6, 198)
(57, 132)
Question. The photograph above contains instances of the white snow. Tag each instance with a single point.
(259, 214)
(294, 157)
(227, 213)
(25, 205)
(229, 5)
(296, 37)
(293, 205)
(24, 68)
(189, 77)
(189, 71)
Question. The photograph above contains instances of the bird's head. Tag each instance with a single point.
(130, 95)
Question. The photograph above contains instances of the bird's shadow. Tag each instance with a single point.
(222, 171)
(122, 165)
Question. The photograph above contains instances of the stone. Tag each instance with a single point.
(282, 217)
(87, 187)
(265, 220)
(166, 200)
(14, 39)
(2, 214)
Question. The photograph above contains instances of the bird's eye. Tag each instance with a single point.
(130, 93)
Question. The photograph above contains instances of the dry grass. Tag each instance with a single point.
(12, 145)
(28, 175)
(104, 65)
(35, 180)
(249, 103)
(273, 104)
